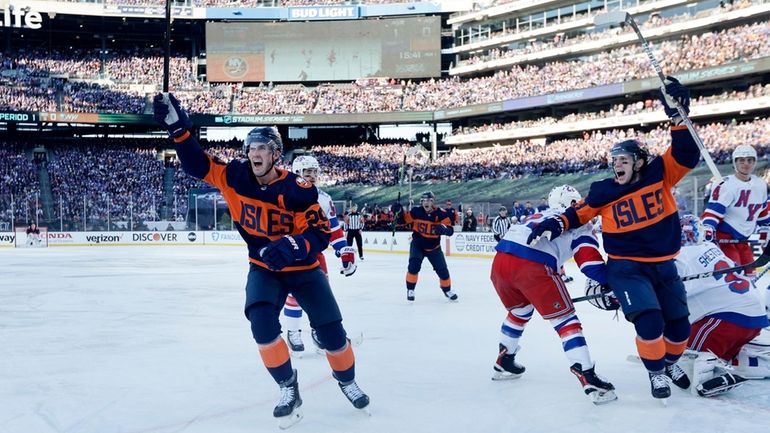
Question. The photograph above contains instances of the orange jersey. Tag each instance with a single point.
(640, 220)
(424, 226)
(262, 213)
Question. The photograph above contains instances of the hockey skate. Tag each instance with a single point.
(720, 384)
(677, 376)
(295, 341)
(659, 386)
(354, 394)
(452, 296)
(319, 346)
(288, 409)
(410, 294)
(505, 367)
(566, 278)
(597, 389)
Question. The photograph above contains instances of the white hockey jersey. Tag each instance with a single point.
(580, 243)
(337, 239)
(731, 297)
(736, 207)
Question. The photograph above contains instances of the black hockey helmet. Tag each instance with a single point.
(629, 147)
(264, 134)
(427, 195)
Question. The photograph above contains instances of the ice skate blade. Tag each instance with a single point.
(504, 375)
(297, 355)
(663, 401)
(602, 397)
(287, 421)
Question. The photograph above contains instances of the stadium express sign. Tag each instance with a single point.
(17, 17)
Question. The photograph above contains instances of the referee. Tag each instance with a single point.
(501, 223)
(354, 223)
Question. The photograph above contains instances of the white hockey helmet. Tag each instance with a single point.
(744, 151)
(562, 197)
(303, 162)
(692, 229)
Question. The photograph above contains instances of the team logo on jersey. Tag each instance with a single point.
(303, 183)
(236, 67)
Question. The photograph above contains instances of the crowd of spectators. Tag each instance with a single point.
(32, 89)
(116, 180)
(19, 183)
(638, 107)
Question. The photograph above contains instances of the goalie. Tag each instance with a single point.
(726, 313)
(33, 236)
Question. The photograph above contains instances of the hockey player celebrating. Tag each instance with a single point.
(641, 235)
(726, 313)
(278, 215)
(526, 278)
(308, 168)
(736, 206)
(429, 223)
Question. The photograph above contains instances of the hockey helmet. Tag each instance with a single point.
(629, 147)
(427, 195)
(692, 229)
(304, 162)
(744, 151)
(563, 197)
(264, 134)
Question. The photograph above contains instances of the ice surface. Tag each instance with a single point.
(140, 339)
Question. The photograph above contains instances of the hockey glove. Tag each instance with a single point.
(442, 229)
(607, 301)
(170, 115)
(550, 228)
(396, 208)
(284, 251)
(670, 94)
(348, 256)
(709, 234)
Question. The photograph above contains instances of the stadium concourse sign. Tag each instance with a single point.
(18, 17)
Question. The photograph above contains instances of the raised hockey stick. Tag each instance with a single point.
(167, 48)
(616, 17)
(762, 260)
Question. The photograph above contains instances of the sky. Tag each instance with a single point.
(153, 339)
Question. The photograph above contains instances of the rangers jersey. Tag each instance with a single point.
(337, 240)
(736, 207)
(580, 243)
(731, 297)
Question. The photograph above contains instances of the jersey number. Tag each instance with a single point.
(736, 283)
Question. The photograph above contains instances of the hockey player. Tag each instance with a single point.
(308, 168)
(278, 215)
(526, 278)
(641, 236)
(726, 313)
(735, 208)
(429, 223)
(33, 235)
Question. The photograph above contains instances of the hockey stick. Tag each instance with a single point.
(738, 241)
(762, 260)
(167, 48)
(616, 17)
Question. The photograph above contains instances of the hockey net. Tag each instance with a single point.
(23, 240)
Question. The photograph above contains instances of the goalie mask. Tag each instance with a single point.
(607, 301)
(692, 229)
(563, 197)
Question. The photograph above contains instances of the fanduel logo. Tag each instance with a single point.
(20, 17)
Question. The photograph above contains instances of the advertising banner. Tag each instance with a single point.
(7, 239)
(57, 239)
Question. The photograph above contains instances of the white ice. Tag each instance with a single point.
(137, 340)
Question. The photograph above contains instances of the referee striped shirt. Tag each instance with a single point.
(500, 225)
(355, 221)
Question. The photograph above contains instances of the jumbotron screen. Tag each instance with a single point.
(323, 50)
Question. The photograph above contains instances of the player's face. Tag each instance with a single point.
(262, 158)
(744, 166)
(623, 167)
(427, 203)
(310, 174)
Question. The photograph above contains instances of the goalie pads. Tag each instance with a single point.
(607, 302)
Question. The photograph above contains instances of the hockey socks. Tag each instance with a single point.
(573, 342)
